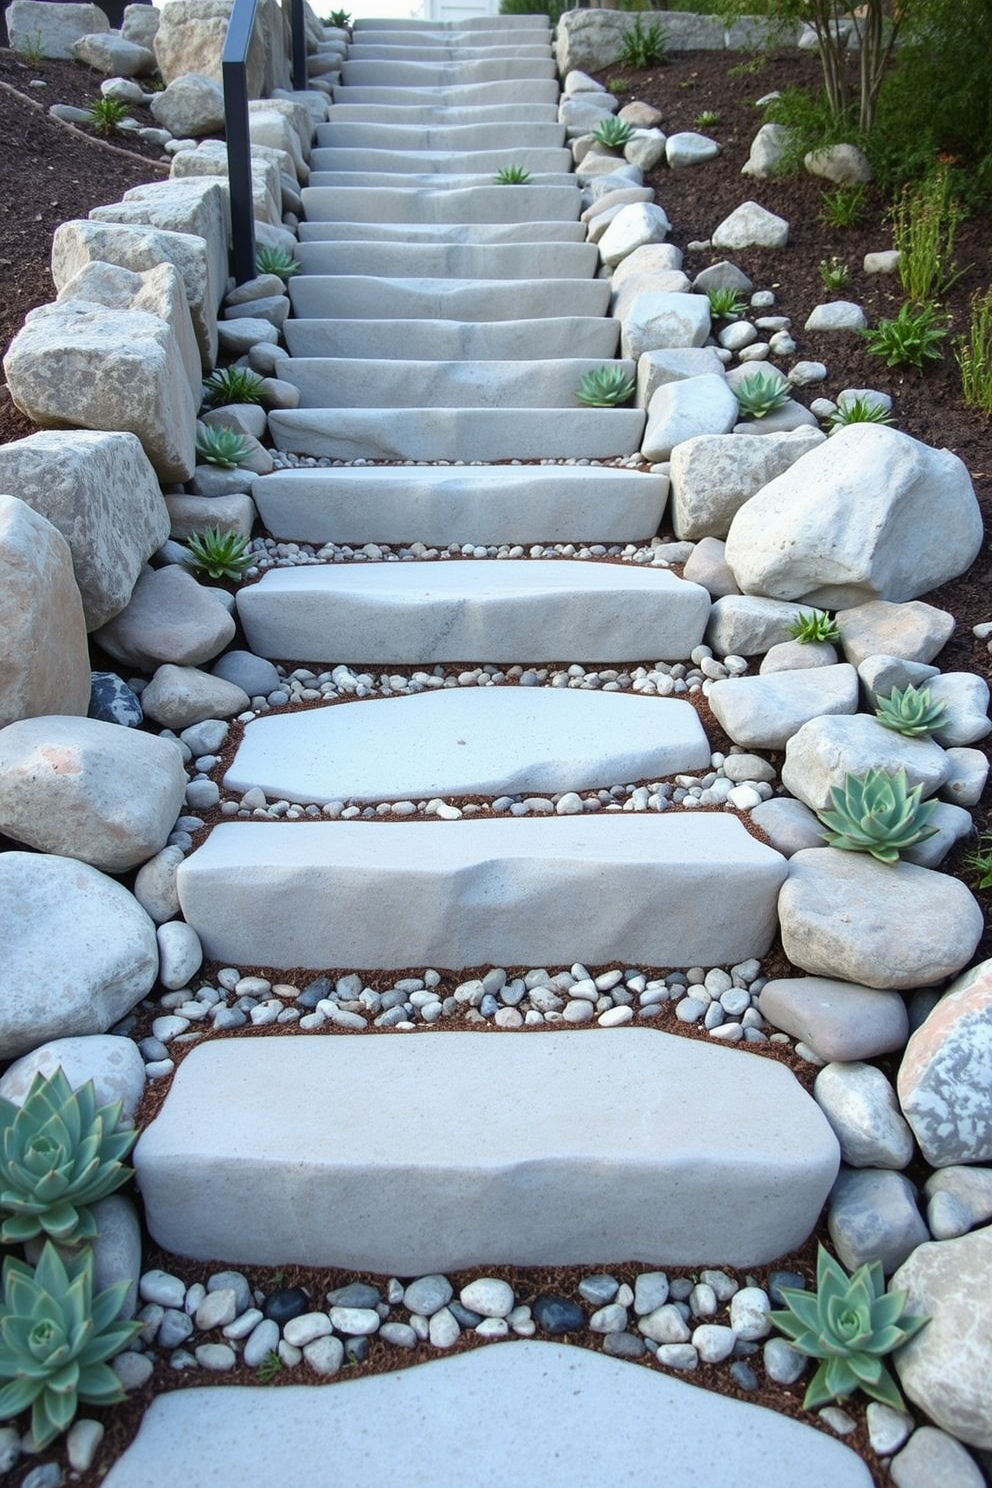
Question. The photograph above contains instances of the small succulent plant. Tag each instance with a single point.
(876, 813)
(339, 19)
(834, 273)
(512, 175)
(105, 114)
(232, 385)
(59, 1153)
(219, 555)
(911, 711)
(612, 132)
(761, 394)
(859, 410)
(850, 1323)
(605, 387)
(219, 446)
(276, 261)
(708, 119)
(814, 626)
(725, 304)
(55, 1338)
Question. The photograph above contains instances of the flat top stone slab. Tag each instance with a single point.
(671, 1432)
(468, 740)
(481, 1148)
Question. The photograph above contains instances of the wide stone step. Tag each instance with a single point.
(484, 203)
(388, 51)
(437, 181)
(446, 74)
(508, 95)
(361, 297)
(475, 609)
(445, 504)
(454, 340)
(406, 1156)
(560, 1411)
(369, 160)
(439, 115)
(468, 741)
(344, 382)
(436, 233)
(477, 25)
(458, 433)
(342, 135)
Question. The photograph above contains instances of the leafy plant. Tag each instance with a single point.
(339, 19)
(859, 410)
(725, 304)
(911, 711)
(55, 1338)
(220, 555)
(979, 861)
(834, 273)
(875, 813)
(276, 261)
(925, 220)
(270, 1367)
(60, 1153)
(512, 175)
(105, 114)
(974, 354)
(613, 132)
(842, 207)
(618, 84)
(707, 119)
(605, 387)
(643, 47)
(760, 394)
(850, 1323)
(232, 385)
(219, 446)
(814, 626)
(914, 337)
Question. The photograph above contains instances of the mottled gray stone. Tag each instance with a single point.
(170, 618)
(932, 1459)
(789, 825)
(713, 476)
(840, 1020)
(861, 1106)
(825, 750)
(748, 625)
(873, 1216)
(178, 696)
(113, 1064)
(944, 1081)
(764, 712)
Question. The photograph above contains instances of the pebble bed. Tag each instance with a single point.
(272, 554)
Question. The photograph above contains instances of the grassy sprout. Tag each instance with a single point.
(876, 813)
(617, 84)
(978, 861)
(911, 711)
(859, 410)
(105, 114)
(642, 46)
(842, 207)
(269, 1369)
(725, 304)
(707, 119)
(512, 175)
(217, 554)
(32, 49)
(605, 387)
(219, 446)
(232, 385)
(974, 354)
(813, 627)
(925, 219)
(276, 261)
(911, 339)
(761, 394)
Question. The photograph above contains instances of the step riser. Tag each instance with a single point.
(483, 610)
(426, 161)
(466, 1158)
(480, 234)
(451, 260)
(453, 340)
(399, 204)
(331, 297)
(435, 181)
(425, 52)
(474, 25)
(507, 95)
(444, 74)
(342, 383)
(510, 137)
(440, 115)
(459, 434)
(495, 506)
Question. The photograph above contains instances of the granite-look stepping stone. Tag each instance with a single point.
(395, 75)
(343, 382)
(430, 114)
(423, 161)
(455, 340)
(430, 612)
(675, 890)
(479, 740)
(514, 100)
(764, 712)
(441, 51)
(345, 133)
(439, 204)
(360, 297)
(438, 1172)
(455, 260)
(443, 232)
(445, 504)
(438, 182)
(671, 1432)
(840, 1020)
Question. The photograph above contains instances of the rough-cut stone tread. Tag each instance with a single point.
(478, 233)
(370, 162)
(346, 133)
(455, 260)
(455, 340)
(360, 297)
(339, 383)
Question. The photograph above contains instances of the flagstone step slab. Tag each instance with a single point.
(672, 1433)
(445, 504)
(411, 25)
(483, 609)
(423, 51)
(369, 160)
(436, 181)
(437, 233)
(455, 340)
(342, 135)
(405, 1156)
(361, 296)
(484, 203)
(481, 434)
(468, 741)
(451, 260)
(389, 114)
(345, 383)
(446, 74)
(508, 95)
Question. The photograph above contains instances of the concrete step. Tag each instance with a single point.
(479, 609)
(671, 1432)
(446, 74)
(451, 260)
(477, 25)
(358, 296)
(509, 96)
(388, 51)
(438, 114)
(458, 433)
(485, 203)
(524, 1150)
(468, 741)
(370, 161)
(474, 233)
(340, 134)
(345, 383)
(438, 181)
(454, 340)
(441, 504)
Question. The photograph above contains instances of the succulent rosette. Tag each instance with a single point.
(875, 813)
(911, 711)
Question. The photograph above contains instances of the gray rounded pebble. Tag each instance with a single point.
(428, 1294)
(263, 1340)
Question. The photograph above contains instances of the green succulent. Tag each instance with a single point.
(875, 813)
(59, 1153)
(613, 132)
(834, 273)
(814, 626)
(220, 446)
(725, 304)
(605, 387)
(859, 410)
(219, 555)
(339, 19)
(105, 114)
(232, 385)
(760, 394)
(849, 1322)
(512, 175)
(55, 1337)
(911, 711)
(276, 261)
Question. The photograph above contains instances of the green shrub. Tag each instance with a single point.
(643, 47)
(842, 207)
(912, 338)
(974, 354)
(105, 114)
(552, 8)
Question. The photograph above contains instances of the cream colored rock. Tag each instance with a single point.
(914, 632)
(51, 27)
(192, 105)
(190, 38)
(765, 712)
(714, 475)
(113, 55)
(200, 208)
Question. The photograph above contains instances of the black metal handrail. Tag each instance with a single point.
(234, 71)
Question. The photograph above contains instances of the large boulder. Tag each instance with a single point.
(683, 410)
(872, 514)
(769, 150)
(106, 795)
(190, 106)
(170, 618)
(140, 24)
(79, 951)
(713, 475)
(52, 28)
(191, 35)
(80, 365)
(658, 319)
(825, 750)
(113, 55)
(945, 1079)
(102, 494)
(44, 660)
(593, 39)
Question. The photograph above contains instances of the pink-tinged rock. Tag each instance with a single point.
(945, 1079)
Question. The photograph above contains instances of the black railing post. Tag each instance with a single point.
(234, 70)
(299, 31)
